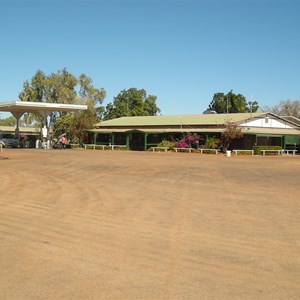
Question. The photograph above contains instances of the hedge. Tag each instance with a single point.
(258, 148)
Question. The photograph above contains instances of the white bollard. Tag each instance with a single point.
(228, 153)
(38, 144)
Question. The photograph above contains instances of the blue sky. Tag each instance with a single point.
(181, 51)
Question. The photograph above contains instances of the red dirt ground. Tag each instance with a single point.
(88, 224)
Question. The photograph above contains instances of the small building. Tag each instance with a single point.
(140, 133)
(27, 136)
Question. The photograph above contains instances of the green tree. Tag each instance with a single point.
(10, 121)
(252, 106)
(131, 102)
(63, 87)
(232, 103)
(231, 132)
(91, 95)
(56, 88)
(75, 124)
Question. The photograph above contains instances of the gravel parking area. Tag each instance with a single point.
(88, 224)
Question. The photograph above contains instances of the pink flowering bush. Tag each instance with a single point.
(182, 144)
(231, 132)
(188, 141)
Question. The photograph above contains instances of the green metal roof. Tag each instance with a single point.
(21, 129)
(157, 130)
(203, 119)
(245, 130)
(270, 131)
(292, 119)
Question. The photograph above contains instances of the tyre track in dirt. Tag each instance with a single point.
(108, 225)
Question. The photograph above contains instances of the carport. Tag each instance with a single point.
(18, 108)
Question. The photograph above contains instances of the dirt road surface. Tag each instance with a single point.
(88, 224)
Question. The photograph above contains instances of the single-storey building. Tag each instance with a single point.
(27, 136)
(141, 133)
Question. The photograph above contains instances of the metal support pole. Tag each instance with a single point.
(145, 141)
(45, 129)
(127, 139)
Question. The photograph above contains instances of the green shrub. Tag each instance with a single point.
(166, 143)
(120, 148)
(244, 152)
(75, 146)
(212, 143)
(258, 148)
(208, 151)
(89, 147)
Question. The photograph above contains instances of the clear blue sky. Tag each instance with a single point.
(181, 51)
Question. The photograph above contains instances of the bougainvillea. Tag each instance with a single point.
(188, 141)
(231, 132)
(182, 144)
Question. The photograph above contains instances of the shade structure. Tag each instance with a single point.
(18, 108)
(25, 106)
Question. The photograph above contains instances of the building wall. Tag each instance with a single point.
(267, 123)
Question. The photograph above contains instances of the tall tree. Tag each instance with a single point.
(232, 103)
(132, 102)
(63, 87)
(56, 88)
(285, 108)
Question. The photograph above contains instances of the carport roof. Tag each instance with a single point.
(26, 106)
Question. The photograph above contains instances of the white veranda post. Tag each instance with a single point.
(17, 115)
(45, 129)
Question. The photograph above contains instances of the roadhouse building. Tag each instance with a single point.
(141, 133)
